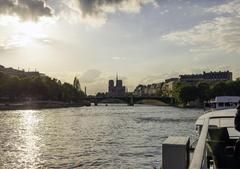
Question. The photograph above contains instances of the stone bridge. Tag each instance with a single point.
(130, 100)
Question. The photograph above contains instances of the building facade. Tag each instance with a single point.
(116, 90)
(168, 86)
(148, 90)
(207, 76)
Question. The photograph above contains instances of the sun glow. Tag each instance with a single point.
(31, 30)
(25, 33)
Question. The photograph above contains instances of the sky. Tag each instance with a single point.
(144, 41)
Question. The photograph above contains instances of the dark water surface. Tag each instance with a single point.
(103, 137)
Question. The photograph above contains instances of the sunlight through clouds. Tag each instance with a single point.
(94, 39)
(23, 33)
(94, 12)
(25, 9)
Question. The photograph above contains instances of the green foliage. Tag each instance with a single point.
(203, 91)
(185, 92)
(76, 84)
(177, 90)
(38, 88)
(188, 93)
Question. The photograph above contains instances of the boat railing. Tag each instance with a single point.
(199, 159)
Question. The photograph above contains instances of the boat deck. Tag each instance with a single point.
(222, 149)
(218, 146)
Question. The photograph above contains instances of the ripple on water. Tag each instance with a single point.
(164, 120)
(90, 137)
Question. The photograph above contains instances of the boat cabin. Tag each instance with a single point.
(222, 102)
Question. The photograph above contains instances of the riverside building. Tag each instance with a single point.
(207, 76)
(148, 90)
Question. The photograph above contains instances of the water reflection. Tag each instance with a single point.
(30, 150)
(106, 137)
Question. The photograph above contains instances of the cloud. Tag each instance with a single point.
(90, 76)
(151, 79)
(19, 41)
(94, 12)
(17, 34)
(218, 34)
(158, 78)
(93, 79)
(232, 7)
(25, 9)
(99, 7)
(117, 58)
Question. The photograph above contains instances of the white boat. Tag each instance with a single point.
(217, 119)
(222, 102)
(215, 148)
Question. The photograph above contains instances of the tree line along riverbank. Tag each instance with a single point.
(24, 90)
(195, 94)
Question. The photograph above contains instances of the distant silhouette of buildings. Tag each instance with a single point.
(156, 89)
(148, 90)
(116, 90)
(166, 88)
(20, 73)
(207, 76)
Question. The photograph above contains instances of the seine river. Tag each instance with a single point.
(106, 137)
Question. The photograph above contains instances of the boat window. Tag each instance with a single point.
(207, 104)
(227, 104)
(213, 105)
(220, 104)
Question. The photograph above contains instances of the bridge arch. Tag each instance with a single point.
(130, 100)
(111, 100)
(163, 99)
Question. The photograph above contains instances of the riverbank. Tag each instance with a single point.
(159, 103)
(191, 105)
(33, 105)
(40, 105)
(153, 103)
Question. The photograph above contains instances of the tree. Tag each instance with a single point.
(188, 93)
(20, 88)
(76, 84)
(176, 91)
(219, 89)
(203, 91)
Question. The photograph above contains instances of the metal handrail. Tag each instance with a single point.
(199, 153)
(199, 156)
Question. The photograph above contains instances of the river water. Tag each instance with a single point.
(106, 137)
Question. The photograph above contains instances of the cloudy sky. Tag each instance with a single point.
(145, 41)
